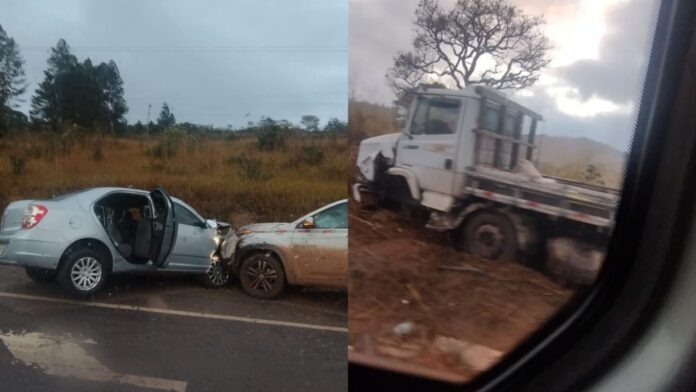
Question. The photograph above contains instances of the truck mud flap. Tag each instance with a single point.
(364, 194)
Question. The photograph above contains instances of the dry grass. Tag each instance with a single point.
(205, 171)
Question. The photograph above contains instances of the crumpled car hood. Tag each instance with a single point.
(265, 227)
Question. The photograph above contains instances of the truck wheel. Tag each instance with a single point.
(262, 276)
(41, 275)
(83, 273)
(491, 236)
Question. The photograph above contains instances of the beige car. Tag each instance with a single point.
(311, 251)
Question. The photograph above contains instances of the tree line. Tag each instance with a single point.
(76, 93)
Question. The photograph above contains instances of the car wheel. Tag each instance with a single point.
(491, 236)
(83, 273)
(262, 276)
(217, 276)
(41, 275)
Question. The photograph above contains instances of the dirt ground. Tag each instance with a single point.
(461, 313)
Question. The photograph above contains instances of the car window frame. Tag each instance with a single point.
(314, 217)
(552, 357)
(201, 221)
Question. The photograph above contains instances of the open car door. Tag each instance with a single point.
(163, 227)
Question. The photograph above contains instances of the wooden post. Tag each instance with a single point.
(518, 136)
(532, 131)
(500, 131)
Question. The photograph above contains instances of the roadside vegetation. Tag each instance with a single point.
(228, 178)
(77, 136)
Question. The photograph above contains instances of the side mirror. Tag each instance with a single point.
(308, 223)
(401, 122)
(211, 223)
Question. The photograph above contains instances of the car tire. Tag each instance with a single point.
(216, 277)
(490, 235)
(262, 276)
(41, 275)
(83, 273)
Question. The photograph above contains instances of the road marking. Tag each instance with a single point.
(58, 356)
(173, 312)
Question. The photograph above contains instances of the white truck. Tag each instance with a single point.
(464, 156)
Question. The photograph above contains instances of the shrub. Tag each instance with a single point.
(270, 135)
(311, 155)
(250, 168)
(97, 153)
(168, 144)
(18, 165)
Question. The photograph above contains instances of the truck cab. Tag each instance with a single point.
(447, 132)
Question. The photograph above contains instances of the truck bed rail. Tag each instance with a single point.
(560, 199)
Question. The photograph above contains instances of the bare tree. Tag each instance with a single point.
(488, 42)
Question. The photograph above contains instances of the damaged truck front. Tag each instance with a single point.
(464, 158)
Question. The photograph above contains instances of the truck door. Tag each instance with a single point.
(163, 227)
(429, 144)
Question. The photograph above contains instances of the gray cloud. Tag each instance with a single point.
(611, 128)
(617, 74)
(212, 61)
(378, 29)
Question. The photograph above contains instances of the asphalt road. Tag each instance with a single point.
(169, 333)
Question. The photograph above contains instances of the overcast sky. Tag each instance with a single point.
(590, 89)
(214, 62)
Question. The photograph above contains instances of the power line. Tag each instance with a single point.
(212, 49)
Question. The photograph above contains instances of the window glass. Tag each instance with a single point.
(534, 177)
(420, 118)
(334, 218)
(159, 202)
(491, 118)
(435, 117)
(184, 216)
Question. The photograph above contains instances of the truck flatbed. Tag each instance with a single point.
(555, 197)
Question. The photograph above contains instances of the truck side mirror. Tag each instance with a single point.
(401, 122)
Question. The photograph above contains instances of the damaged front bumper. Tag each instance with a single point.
(227, 242)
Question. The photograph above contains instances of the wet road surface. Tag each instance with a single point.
(147, 333)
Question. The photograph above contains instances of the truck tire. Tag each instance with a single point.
(41, 275)
(84, 272)
(491, 235)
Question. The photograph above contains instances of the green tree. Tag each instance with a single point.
(310, 122)
(452, 46)
(79, 93)
(336, 125)
(113, 105)
(49, 101)
(166, 117)
(12, 82)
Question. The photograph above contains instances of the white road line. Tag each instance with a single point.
(58, 356)
(173, 312)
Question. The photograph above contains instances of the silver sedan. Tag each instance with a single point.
(311, 251)
(82, 237)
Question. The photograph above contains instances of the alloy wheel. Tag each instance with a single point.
(262, 276)
(86, 273)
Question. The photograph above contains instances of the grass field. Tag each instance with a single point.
(227, 178)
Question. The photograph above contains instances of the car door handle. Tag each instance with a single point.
(448, 164)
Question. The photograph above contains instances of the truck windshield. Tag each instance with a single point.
(435, 117)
